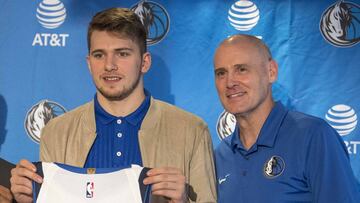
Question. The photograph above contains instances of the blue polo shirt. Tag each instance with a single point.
(296, 158)
(117, 142)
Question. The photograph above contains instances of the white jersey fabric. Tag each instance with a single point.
(62, 183)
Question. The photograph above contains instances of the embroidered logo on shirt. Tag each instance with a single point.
(274, 167)
(221, 180)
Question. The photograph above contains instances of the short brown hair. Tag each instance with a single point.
(121, 21)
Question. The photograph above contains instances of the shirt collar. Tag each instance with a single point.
(235, 141)
(268, 132)
(134, 118)
(138, 115)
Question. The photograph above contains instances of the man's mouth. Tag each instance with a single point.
(238, 94)
(112, 78)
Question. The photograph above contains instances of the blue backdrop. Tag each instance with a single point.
(43, 71)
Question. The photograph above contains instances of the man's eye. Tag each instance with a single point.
(122, 54)
(97, 55)
(241, 69)
(219, 73)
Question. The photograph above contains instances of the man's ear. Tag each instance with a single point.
(146, 62)
(88, 63)
(273, 71)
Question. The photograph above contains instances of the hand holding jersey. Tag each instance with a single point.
(64, 183)
(21, 181)
(165, 181)
(5, 195)
(168, 182)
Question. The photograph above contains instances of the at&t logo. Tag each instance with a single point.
(50, 14)
(243, 15)
(343, 119)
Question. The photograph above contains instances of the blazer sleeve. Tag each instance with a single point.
(202, 173)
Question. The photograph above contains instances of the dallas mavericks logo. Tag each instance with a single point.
(155, 19)
(274, 167)
(39, 115)
(342, 118)
(243, 15)
(51, 13)
(340, 23)
(225, 125)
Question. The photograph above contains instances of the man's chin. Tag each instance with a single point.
(113, 96)
(236, 111)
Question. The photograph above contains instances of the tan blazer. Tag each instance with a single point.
(168, 136)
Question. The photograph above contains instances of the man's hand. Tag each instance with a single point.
(168, 182)
(21, 177)
(5, 195)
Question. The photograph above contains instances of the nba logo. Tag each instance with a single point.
(89, 189)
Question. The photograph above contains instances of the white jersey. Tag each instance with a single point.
(62, 183)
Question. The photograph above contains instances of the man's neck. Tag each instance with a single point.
(251, 124)
(122, 107)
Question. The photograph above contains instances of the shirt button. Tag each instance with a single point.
(118, 153)
(244, 173)
(118, 121)
(119, 135)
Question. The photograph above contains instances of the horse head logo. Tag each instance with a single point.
(339, 24)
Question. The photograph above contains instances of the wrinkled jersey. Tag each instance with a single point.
(63, 183)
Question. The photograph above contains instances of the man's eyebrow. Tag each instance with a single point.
(117, 50)
(217, 69)
(124, 49)
(238, 65)
(96, 50)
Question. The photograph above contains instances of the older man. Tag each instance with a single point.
(274, 155)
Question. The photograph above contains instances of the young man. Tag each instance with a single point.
(274, 155)
(124, 124)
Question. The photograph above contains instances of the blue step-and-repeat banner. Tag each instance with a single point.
(43, 71)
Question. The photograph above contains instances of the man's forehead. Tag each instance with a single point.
(228, 51)
(117, 35)
(237, 43)
(241, 47)
(113, 39)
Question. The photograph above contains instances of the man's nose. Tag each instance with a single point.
(110, 63)
(231, 80)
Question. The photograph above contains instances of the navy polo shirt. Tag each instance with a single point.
(117, 142)
(296, 158)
